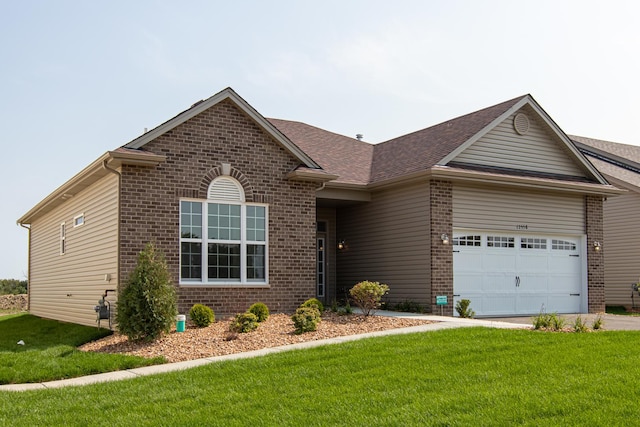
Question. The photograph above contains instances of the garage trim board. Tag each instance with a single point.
(505, 274)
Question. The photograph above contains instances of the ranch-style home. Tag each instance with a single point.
(620, 164)
(497, 206)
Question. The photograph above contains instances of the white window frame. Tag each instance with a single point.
(229, 197)
(63, 238)
(76, 218)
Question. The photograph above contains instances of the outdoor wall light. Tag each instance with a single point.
(341, 244)
(597, 246)
(445, 238)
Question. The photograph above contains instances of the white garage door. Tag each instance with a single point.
(513, 274)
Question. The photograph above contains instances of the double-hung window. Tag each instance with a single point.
(223, 240)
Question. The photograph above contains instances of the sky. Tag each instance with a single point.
(80, 78)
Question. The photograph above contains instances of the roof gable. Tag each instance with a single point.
(522, 142)
(524, 139)
(421, 150)
(231, 95)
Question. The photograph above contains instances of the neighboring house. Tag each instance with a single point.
(620, 164)
(497, 206)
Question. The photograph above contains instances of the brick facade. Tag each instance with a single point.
(441, 215)
(595, 259)
(195, 151)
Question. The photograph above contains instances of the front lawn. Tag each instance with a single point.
(471, 376)
(49, 351)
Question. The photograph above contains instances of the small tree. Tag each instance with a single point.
(367, 296)
(147, 305)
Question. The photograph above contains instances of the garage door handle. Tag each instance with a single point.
(517, 281)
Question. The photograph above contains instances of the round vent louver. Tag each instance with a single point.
(521, 123)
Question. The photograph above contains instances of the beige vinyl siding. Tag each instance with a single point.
(388, 241)
(621, 247)
(538, 150)
(67, 287)
(522, 211)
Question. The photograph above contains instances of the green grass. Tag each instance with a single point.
(461, 377)
(50, 351)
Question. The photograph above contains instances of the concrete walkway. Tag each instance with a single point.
(440, 322)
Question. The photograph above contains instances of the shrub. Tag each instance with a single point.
(306, 319)
(408, 306)
(260, 310)
(367, 295)
(314, 302)
(244, 322)
(463, 309)
(541, 321)
(598, 323)
(201, 315)
(556, 323)
(579, 325)
(147, 305)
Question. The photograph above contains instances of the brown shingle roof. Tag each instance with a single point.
(620, 161)
(346, 157)
(626, 151)
(419, 151)
(358, 162)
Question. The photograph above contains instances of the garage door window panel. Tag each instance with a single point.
(474, 240)
(500, 242)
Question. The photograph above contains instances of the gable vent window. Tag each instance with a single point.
(225, 189)
(521, 124)
(223, 240)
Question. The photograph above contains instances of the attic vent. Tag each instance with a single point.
(226, 189)
(521, 123)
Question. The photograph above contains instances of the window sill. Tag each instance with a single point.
(224, 285)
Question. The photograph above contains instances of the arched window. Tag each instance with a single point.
(223, 240)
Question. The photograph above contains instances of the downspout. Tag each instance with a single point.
(28, 265)
(105, 165)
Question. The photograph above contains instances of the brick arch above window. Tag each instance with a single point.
(235, 173)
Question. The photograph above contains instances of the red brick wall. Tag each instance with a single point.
(441, 212)
(595, 259)
(195, 151)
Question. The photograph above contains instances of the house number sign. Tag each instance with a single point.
(522, 227)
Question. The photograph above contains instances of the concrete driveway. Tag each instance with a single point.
(612, 322)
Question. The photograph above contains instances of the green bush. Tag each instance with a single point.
(260, 310)
(147, 304)
(244, 322)
(13, 287)
(306, 319)
(598, 323)
(201, 315)
(314, 302)
(580, 325)
(463, 309)
(408, 306)
(367, 295)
